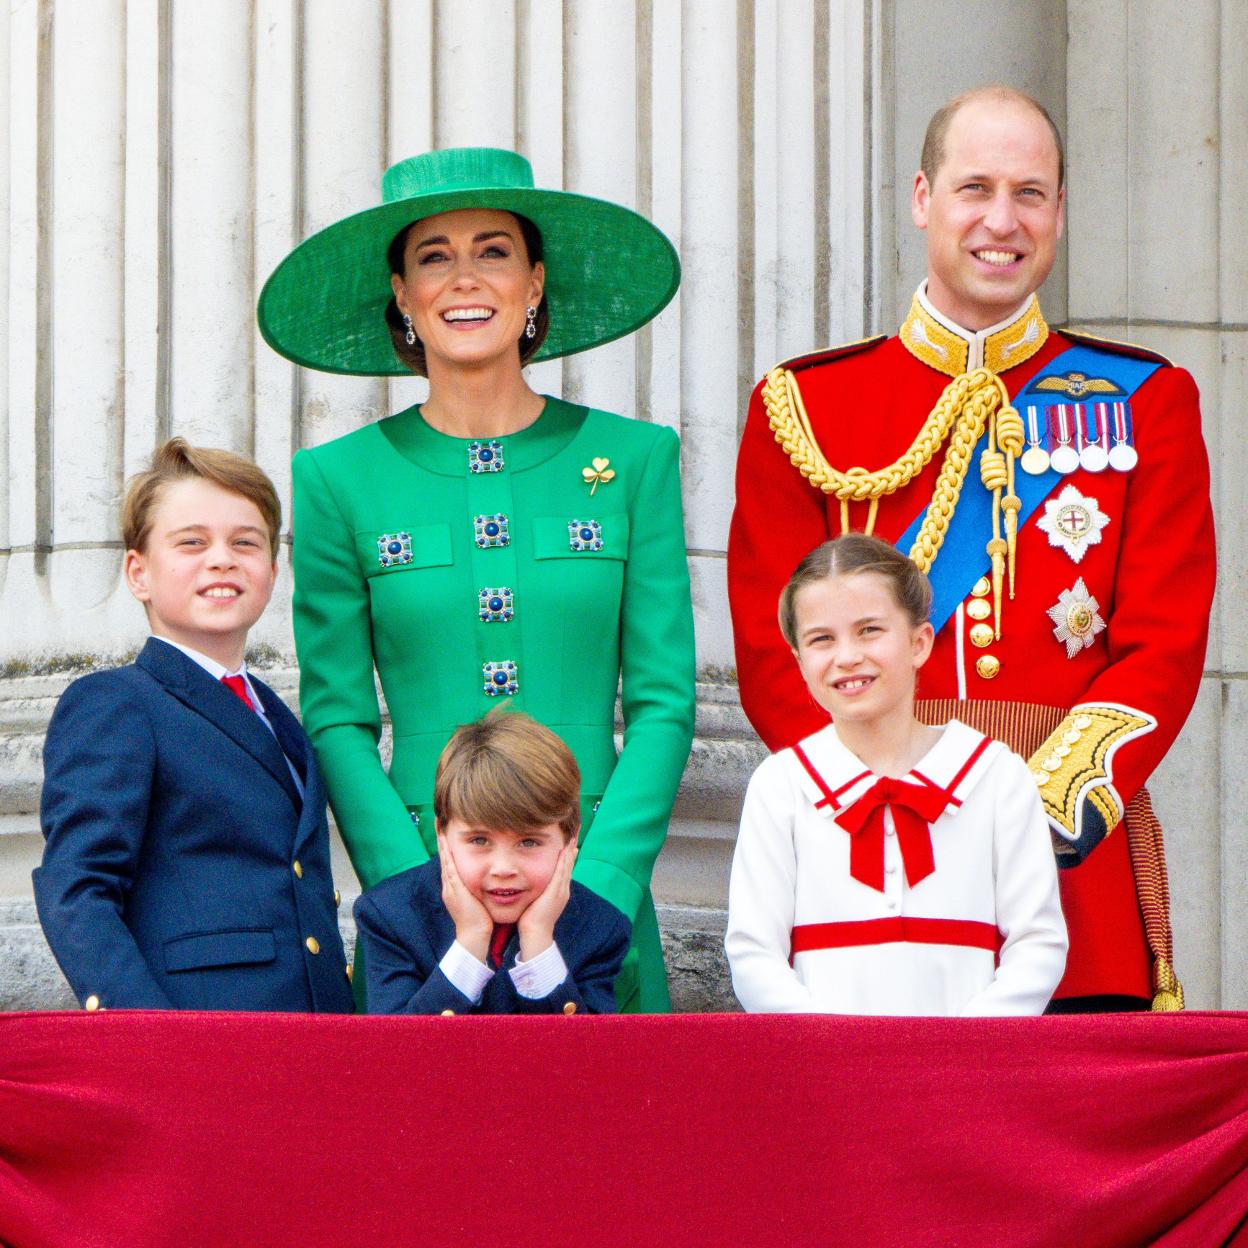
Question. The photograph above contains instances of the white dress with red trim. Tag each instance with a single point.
(932, 894)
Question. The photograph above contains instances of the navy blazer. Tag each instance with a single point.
(406, 930)
(182, 869)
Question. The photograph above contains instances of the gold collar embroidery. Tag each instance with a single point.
(952, 350)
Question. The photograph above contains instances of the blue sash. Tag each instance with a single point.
(963, 559)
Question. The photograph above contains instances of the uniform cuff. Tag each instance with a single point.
(464, 971)
(540, 977)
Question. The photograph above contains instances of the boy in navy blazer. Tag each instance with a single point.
(495, 924)
(187, 856)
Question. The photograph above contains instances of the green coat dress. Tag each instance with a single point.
(477, 573)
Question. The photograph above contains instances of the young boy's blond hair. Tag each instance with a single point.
(507, 771)
(177, 460)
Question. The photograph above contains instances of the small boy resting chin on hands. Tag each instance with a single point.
(494, 924)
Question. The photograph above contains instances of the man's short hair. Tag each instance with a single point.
(938, 128)
(177, 460)
(509, 772)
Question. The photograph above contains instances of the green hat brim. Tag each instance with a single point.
(608, 272)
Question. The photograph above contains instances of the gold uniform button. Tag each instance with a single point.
(337, 898)
(298, 868)
(1071, 736)
(987, 666)
(1083, 722)
(570, 1008)
(448, 1013)
(981, 588)
(981, 635)
(350, 971)
(91, 1004)
(979, 608)
(1052, 763)
(314, 945)
(1062, 751)
(1041, 778)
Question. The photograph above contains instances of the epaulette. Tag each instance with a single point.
(830, 353)
(1114, 346)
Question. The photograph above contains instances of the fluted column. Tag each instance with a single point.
(343, 156)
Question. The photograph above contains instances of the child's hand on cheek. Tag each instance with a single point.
(473, 925)
(537, 923)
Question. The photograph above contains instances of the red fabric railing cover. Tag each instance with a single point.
(141, 1129)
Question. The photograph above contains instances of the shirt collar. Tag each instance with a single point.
(944, 345)
(211, 666)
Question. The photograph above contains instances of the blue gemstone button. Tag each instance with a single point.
(491, 530)
(394, 549)
(485, 456)
(585, 535)
(494, 606)
(500, 678)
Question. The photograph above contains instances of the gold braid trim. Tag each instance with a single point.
(1075, 764)
(968, 404)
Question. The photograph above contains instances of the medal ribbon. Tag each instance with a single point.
(1079, 413)
(914, 809)
(1033, 425)
(1058, 424)
(1121, 431)
(1098, 425)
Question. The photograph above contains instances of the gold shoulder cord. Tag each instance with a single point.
(968, 404)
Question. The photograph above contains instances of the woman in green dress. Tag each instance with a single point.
(493, 544)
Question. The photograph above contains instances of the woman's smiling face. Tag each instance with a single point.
(466, 283)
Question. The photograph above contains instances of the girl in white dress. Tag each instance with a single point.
(885, 866)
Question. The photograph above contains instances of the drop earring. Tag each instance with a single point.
(410, 336)
(530, 319)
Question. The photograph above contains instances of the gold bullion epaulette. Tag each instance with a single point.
(826, 354)
(1115, 346)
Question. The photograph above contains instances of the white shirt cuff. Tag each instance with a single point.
(540, 977)
(464, 971)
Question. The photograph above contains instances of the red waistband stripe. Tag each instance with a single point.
(967, 933)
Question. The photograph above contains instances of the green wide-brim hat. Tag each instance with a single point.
(608, 270)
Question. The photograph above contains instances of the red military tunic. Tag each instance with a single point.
(1128, 679)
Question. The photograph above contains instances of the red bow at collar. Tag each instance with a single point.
(914, 807)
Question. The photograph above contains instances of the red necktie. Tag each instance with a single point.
(914, 807)
(238, 686)
(498, 941)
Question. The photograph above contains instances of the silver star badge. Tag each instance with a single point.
(1077, 616)
(1073, 522)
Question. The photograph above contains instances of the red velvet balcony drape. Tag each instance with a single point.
(143, 1129)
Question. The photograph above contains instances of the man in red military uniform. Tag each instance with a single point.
(1055, 488)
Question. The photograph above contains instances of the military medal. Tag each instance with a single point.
(1064, 459)
(1092, 420)
(1077, 619)
(1073, 522)
(1035, 459)
(1122, 455)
